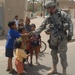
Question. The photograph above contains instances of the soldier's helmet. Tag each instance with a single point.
(50, 4)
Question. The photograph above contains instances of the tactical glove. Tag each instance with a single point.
(69, 37)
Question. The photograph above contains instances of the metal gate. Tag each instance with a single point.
(1, 17)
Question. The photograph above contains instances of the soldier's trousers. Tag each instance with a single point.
(62, 49)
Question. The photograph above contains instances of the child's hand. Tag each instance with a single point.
(28, 55)
(27, 34)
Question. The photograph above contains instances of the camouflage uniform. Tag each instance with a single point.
(60, 27)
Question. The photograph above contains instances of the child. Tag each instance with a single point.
(11, 37)
(24, 40)
(21, 30)
(35, 43)
(16, 20)
(27, 25)
(20, 55)
(21, 23)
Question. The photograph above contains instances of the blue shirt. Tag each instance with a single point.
(11, 36)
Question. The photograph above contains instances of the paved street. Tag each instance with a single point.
(44, 58)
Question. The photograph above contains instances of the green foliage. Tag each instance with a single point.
(35, 5)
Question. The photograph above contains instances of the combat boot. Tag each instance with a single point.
(53, 70)
(64, 71)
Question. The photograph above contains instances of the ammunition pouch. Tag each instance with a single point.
(52, 46)
(65, 26)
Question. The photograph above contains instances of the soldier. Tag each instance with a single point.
(59, 25)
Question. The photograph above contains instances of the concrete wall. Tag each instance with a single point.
(72, 13)
(2, 0)
(1, 16)
(68, 5)
(12, 8)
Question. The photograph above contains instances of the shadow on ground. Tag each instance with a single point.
(36, 69)
(43, 55)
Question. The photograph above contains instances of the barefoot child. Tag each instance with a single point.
(35, 43)
(20, 55)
